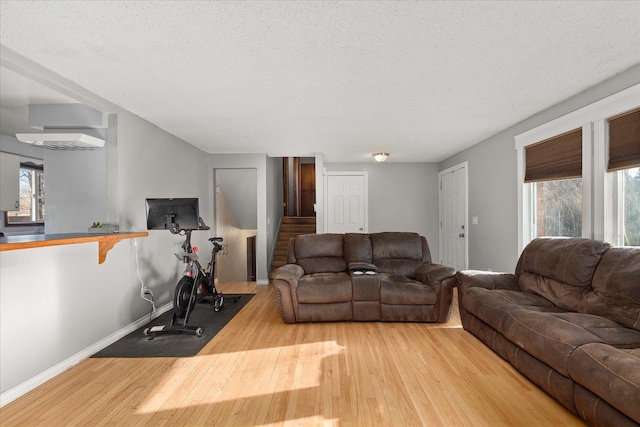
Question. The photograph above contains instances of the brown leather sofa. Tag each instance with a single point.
(569, 320)
(363, 277)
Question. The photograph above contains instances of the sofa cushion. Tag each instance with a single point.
(553, 337)
(610, 373)
(397, 253)
(493, 306)
(545, 331)
(357, 248)
(560, 269)
(323, 288)
(616, 288)
(400, 290)
(320, 253)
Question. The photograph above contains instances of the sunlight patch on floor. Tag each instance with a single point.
(244, 375)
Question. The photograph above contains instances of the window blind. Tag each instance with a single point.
(624, 141)
(559, 157)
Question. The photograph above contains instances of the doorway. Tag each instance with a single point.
(299, 186)
(454, 229)
(236, 222)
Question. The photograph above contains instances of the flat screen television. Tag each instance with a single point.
(173, 214)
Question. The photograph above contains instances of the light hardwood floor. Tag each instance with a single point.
(259, 371)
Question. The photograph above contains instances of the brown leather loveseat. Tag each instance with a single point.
(363, 277)
(569, 320)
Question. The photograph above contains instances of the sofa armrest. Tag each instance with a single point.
(486, 279)
(290, 273)
(442, 280)
(285, 281)
(362, 266)
(434, 273)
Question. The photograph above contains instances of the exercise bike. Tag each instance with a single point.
(194, 277)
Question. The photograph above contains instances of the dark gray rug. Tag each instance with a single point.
(136, 344)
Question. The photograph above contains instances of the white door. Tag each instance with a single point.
(453, 217)
(346, 203)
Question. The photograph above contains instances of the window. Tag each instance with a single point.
(604, 204)
(630, 232)
(31, 210)
(554, 174)
(557, 208)
(624, 159)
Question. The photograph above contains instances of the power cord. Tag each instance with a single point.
(145, 293)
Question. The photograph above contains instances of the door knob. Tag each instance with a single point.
(361, 229)
(461, 235)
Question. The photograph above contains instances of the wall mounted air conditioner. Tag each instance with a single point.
(61, 141)
(66, 127)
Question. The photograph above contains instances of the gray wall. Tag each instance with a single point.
(493, 242)
(76, 186)
(76, 190)
(80, 305)
(155, 164)
(240, 188)
(402, 197)
(275, 201)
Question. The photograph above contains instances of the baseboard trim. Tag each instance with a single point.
(39, 379)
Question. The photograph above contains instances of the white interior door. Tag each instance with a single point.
(453, 217)
(346, 203)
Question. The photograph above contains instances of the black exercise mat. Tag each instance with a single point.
(136, 344)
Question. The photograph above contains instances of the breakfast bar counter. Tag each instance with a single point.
(105, 241)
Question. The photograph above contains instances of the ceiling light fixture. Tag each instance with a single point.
(381, 157)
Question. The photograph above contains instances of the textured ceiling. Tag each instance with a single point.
(421, 80)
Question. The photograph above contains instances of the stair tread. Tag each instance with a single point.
(290, 227)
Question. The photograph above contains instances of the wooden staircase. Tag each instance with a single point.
(291, 226)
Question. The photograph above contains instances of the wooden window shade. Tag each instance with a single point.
(559, 157)
(624, 141)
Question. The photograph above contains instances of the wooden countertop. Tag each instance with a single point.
(105, 241)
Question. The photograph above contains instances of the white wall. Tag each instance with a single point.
(493, 242)
(402, 197)
(56, 303)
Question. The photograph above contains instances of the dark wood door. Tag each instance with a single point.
(308, 189)
(251, 259)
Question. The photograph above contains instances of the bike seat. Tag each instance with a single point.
(216, 239)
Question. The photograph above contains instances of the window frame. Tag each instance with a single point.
(598, 185)
(37, 169)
